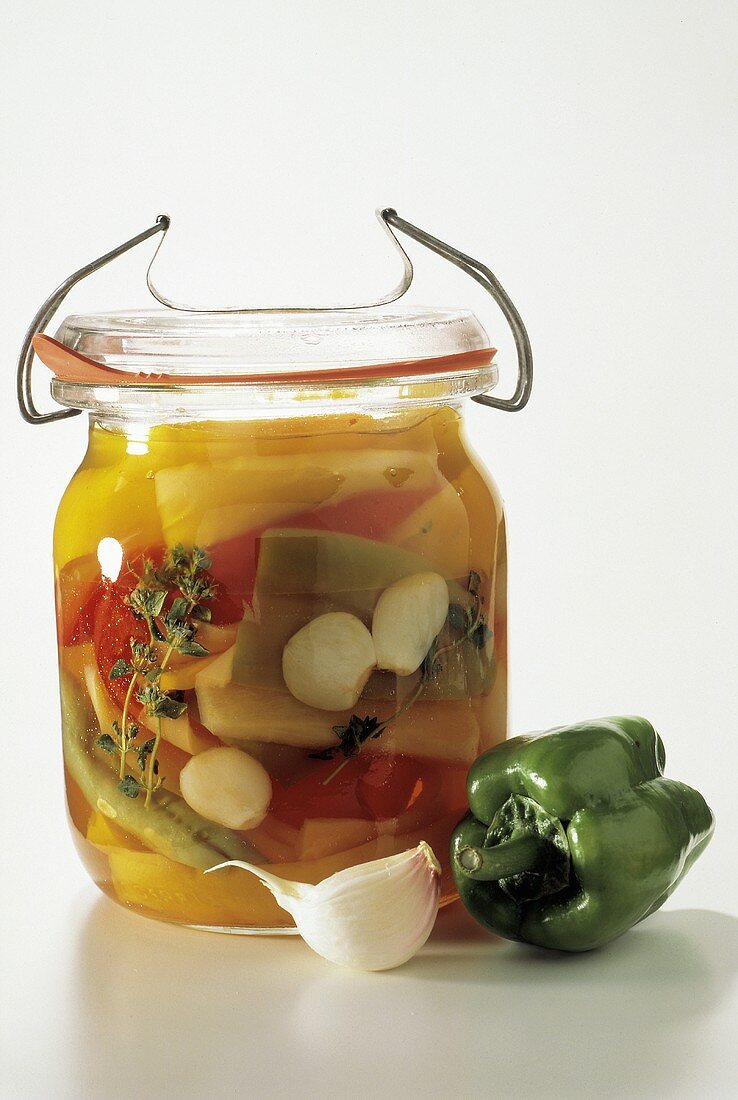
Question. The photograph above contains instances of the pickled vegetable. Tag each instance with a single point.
(293, 562)
(238, 495)
(438, 530)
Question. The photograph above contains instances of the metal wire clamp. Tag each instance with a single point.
(390, 221)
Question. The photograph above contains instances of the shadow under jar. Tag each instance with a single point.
(213, 522)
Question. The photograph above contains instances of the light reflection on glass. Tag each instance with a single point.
(110, 556)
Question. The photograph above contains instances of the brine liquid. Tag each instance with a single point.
(299, 517)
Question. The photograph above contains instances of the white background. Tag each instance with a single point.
(586, 152)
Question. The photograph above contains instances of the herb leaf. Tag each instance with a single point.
(191, 648)
(160, 705)
(144, 751)
(200, 560)
(351, 737)
(481, 635)
(457, 616)
(147, 603)
(129, 786)
(120, 668)
(178, 610)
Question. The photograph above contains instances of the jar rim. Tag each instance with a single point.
(232, 401)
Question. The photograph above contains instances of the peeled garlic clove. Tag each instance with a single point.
(374, 916)
(408, 616)
(328, 662)
(227, 786)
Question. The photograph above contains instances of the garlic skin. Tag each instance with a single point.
(374, 916)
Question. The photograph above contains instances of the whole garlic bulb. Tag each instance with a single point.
(374, 916)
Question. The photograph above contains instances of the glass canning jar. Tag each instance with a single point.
(281, 597)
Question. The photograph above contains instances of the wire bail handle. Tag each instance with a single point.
(390, 221)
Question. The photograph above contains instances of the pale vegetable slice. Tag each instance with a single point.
(328, 661)
(438, 531)
(320, 837)
(237, 713)
(207, 504)
(74, 659)
(216, 638)
(278, 842)
(179, 732)
(227, 786)
(105, 835)
(408, 617)
(349, 568)
(446, 731)
(149, 882)
(437, 731)
(257, 654)
(181, 670)
(183, 678)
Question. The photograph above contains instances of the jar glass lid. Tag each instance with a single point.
(159, 362)
(276, 345)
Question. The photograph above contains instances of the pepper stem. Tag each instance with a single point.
(510, 857)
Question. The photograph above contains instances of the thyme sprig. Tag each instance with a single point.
(171, 599)
(470, 622)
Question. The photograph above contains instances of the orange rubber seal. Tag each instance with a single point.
(71, 366)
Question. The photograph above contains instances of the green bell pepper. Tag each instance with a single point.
(574, 835)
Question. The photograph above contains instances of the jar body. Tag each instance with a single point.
(295, 519)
